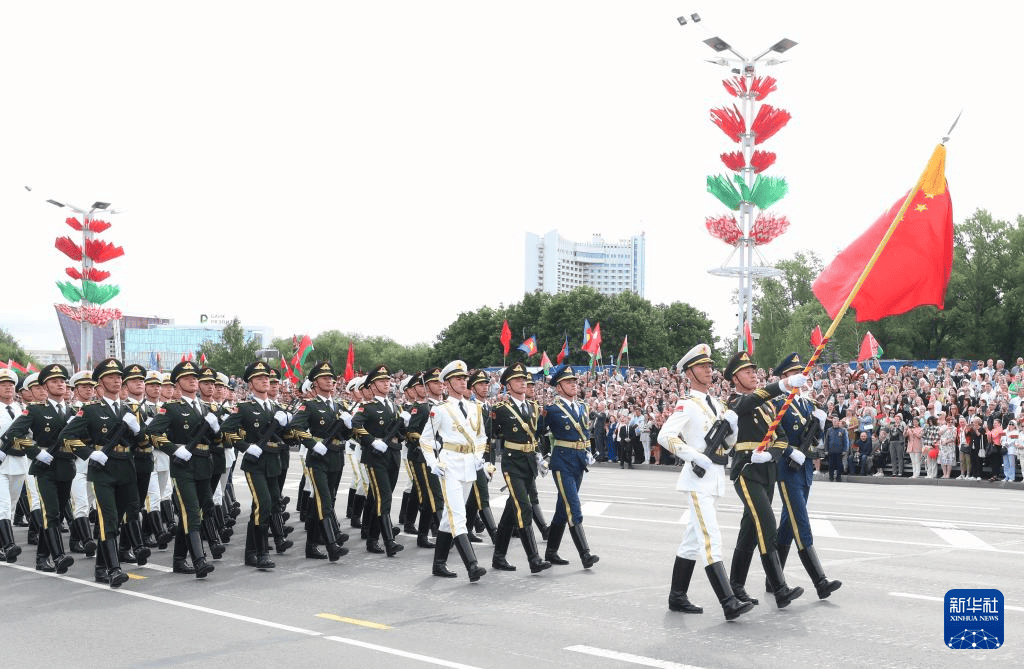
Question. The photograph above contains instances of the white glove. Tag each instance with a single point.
(182, 453)
(702, 461)
(437, 470)
(3, 456)
(732, 419)
(320, 449)
(480, 462)
(352, 444)
(797, 456)
(98, 456)
(821, 416)
(132, 422)
(281, 418)
(148, 420)
(254, 450)
(379, 445)
(759, 457)
(346, 418)
(542, 465)
(212, 421)
(798, 380)
(406, 417)
(590, 458)
(44, 457)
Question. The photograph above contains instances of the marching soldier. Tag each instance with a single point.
(30, 502)
(183, 431)
(224, 491)
(460, 426)
(428, 388)
(135, 384)
(479, 499)
(153, 518)
(684, 435)
(795, 474)
(159, 499)
(378, 425)
(103, 434)
(543, 449)
(360, 487)
(317, 425)
(253, 429)
(82, 499)
(13, 466)
(285, 454)
(569, 423)
(513, 422)
(754, 474)
(35, 432)
(215, 524)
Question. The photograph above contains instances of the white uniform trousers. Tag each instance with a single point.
(360, 478)
(702, 540)
(456, 494)
(32, 490)
(10, 491)
(82, 497)
(408, 470)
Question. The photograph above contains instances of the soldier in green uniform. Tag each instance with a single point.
(105, 433)
(255, 429)
(514, 423)
(184, 431)
(754, 474)
(318, 427)
(378, 427)
(273, 392)
(480, 499)
(35, 432)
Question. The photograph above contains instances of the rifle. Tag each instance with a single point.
(713, 442)
(338, 424)
(271, 431)
(114, 439)
(808, 441)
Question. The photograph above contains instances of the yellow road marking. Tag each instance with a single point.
(353, 621)
(135, 577)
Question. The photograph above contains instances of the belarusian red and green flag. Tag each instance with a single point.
(545, 362)
(623, 350)
(869, 348)
(301, 353)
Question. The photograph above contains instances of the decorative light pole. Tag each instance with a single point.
(748, 189)
(89, 292)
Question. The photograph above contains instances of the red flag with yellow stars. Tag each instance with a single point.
(912, 270)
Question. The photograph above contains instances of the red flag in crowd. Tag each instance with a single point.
(506, 338)
(914, 266)
(869, 348)
(748, 338)
(594, 345)
(816, 336)
(350, 362)
(288, 372)
(564, 353)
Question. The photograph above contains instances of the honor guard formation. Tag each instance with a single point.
(136, 461)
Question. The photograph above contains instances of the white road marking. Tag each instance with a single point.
(244, 619)
(823, 528)
(594, 508)
(929, 598)
(600, 496)
(952, 506)
(961, 539)
(604, 527)
(157, 567)
(629, 657)
(401, 653)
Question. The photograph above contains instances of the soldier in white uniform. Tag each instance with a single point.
(13, 466)
(683, 434)
(460, 426)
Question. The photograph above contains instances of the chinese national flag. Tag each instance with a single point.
(912, 270)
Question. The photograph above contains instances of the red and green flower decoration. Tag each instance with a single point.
(90, 290)
(734, 191)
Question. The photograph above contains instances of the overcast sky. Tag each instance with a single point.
(373, 167)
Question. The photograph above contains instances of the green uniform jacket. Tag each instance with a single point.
(756, 413)
(314, 420)
(176, 423)
(95, 424)
(37, 428)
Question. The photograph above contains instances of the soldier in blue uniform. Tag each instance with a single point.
(754, 474)
(796, 472)
(569, 424)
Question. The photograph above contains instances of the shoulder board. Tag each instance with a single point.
(174, 402)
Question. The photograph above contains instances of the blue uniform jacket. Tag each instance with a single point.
(793, 423)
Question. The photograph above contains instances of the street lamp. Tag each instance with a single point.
(85, 345)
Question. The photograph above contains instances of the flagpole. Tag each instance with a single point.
(934, 176)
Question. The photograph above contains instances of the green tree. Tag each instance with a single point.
(233, 352)
(10, 349)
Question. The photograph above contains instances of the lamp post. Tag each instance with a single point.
(746, 271)
(85, 350)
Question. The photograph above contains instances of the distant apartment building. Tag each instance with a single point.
(555, 264)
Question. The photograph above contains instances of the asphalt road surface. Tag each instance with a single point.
(896, 548)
